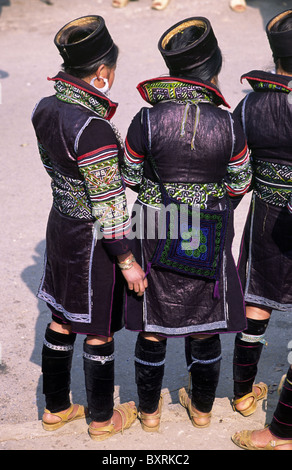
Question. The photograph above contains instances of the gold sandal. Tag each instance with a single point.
(128, 415)
(80, 413)
(144, 417)
(238, 5)
(120, 3)
(253, 406)
(243, 440)
(186, 402)
(159, 4)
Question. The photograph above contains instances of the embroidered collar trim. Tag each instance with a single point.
(73, 90)
(160, 89)
(268, 81)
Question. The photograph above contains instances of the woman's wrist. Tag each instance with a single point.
(127, 262)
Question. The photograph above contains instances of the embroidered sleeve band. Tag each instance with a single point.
(45, 160)
(239, 174)
(103, 181)
(133, 166)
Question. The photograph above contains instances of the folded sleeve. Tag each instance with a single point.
(98, 162)
(134, 153)
(239, 170)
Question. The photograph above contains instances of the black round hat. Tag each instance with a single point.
(194, 54)
(92, 45)
(280, 41)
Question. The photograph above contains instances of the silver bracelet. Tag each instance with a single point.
(127, 264)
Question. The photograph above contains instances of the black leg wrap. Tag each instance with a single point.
(247, 352)
(203, 359)
(98, 362)
(281, 425)
(57, 356)
(149, 371)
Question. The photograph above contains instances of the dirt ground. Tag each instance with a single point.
(28, 56)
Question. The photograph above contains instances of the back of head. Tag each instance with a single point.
(190, 49)
(279, 32)
(84, 44)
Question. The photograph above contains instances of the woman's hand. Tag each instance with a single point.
(136, 279)
(133, 273)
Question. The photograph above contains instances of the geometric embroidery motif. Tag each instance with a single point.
(58, 347)
(156, 91)
(102, 359)
(101, 172)
(70, 197)
(273, 182)
(187, 193)
(72, 94)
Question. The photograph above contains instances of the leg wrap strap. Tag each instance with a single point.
(281, 425)
(57, 356)
(247, 353)
(203, 359)
(98, 363)
(149, 371)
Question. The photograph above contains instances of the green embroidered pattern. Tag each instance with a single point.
(191, 240)
(69, 194)
(72, 94)
(45, 160)
(103, 180)
(199, 256)
(267, 86)
(173, 90)
(111, 214)
(70, 198)
(188, 193)
(273, 182)
(102, 177)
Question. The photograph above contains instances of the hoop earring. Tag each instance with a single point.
(105, 88)
(92, 82)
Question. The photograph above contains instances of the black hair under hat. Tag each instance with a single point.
(91, 42)
(280, 41)
(194, 54)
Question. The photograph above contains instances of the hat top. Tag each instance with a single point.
(190, 55)
(180, 28)
(277, 18)
(81, 22)
(91, 41)
(280, 41)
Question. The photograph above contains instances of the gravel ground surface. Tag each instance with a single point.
(28, 57)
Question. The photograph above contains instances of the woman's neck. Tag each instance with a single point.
(280, 71)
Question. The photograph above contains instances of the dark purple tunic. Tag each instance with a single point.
(201, 155)
(80, 150)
